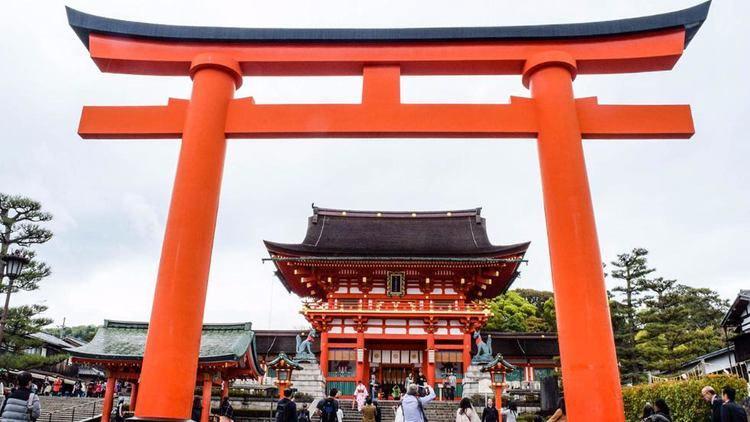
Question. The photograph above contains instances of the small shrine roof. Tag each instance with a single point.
(402, 234)
(282, 360)
(85, 24)
(498, 360)
(121, 340)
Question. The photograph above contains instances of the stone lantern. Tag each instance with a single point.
(283, 366)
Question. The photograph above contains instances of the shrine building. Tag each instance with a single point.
(392, 293)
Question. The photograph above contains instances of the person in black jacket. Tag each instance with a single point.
(709, 395)
(286, 409)
(731, 411)
(490, 413)
(195, 414)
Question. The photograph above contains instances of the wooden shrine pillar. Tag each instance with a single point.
(206, 397)
(587, 349)
(360, 374)
(466, 352)
(324, 354)
(133, 394)
(170, 361)
(109, 395)
(430, 359)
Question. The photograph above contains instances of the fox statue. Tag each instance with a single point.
(484, 350)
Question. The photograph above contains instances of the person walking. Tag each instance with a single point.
(731, 411)
(57, 387)
(304, 414)
(328, 408)
(195, 413)
(661, 412)
(466, 412)
(360, 394)
(490, 413)
(378, 412)
(22, 405)
(421, 379)
(409, 381)
(226, 411)
(412, 405)
(559, 415)
(452, 386)
(511, 413)
(120, 410)
(713, 399)
(396, 392)
(648, 411)
(368, 411)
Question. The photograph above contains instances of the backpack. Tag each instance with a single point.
(282, 408)
(328, 411)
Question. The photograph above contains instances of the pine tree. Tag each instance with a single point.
(631, 270)
(21, 227)
(679, 323)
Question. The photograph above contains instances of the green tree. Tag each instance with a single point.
(82, 332)
(21, 227)
(22, 323)
(510, 312)
(679, 323)
(631, 271)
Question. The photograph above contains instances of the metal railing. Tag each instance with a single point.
(82, 411)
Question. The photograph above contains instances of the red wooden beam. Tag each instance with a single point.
(515, 120)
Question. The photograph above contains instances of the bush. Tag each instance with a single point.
(683, 397)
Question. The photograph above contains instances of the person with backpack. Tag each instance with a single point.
(304, 414)
(22, 405)
(286, 408)
(329, 407)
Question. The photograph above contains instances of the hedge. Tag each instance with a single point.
(683, 397)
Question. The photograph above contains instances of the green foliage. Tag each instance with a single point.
(26, 361)
(21, 323)
(630, 269)
(679, 324)
(511, 312)
(683, 397)
(81, 332)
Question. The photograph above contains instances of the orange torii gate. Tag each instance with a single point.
(548, 58)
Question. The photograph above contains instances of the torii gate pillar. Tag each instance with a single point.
(580, 293)
(168, 375)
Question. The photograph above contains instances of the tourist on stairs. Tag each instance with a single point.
(368, 411)
(466, 412)
(286, 409)
(328, 408)
(412, 405)
(490, 413)
(360, 394)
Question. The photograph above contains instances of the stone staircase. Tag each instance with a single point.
(69, 409)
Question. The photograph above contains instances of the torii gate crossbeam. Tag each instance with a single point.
(548, 58)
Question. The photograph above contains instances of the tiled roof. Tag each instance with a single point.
(118, 340)
(333, 232)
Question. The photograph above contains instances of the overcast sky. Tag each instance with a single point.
(685, 201)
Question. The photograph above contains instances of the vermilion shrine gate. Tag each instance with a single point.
(548, 58)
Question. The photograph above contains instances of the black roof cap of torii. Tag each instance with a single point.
(84, 24)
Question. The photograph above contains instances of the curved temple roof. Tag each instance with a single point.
(120, 340)
(690, 19)
(460, 233)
